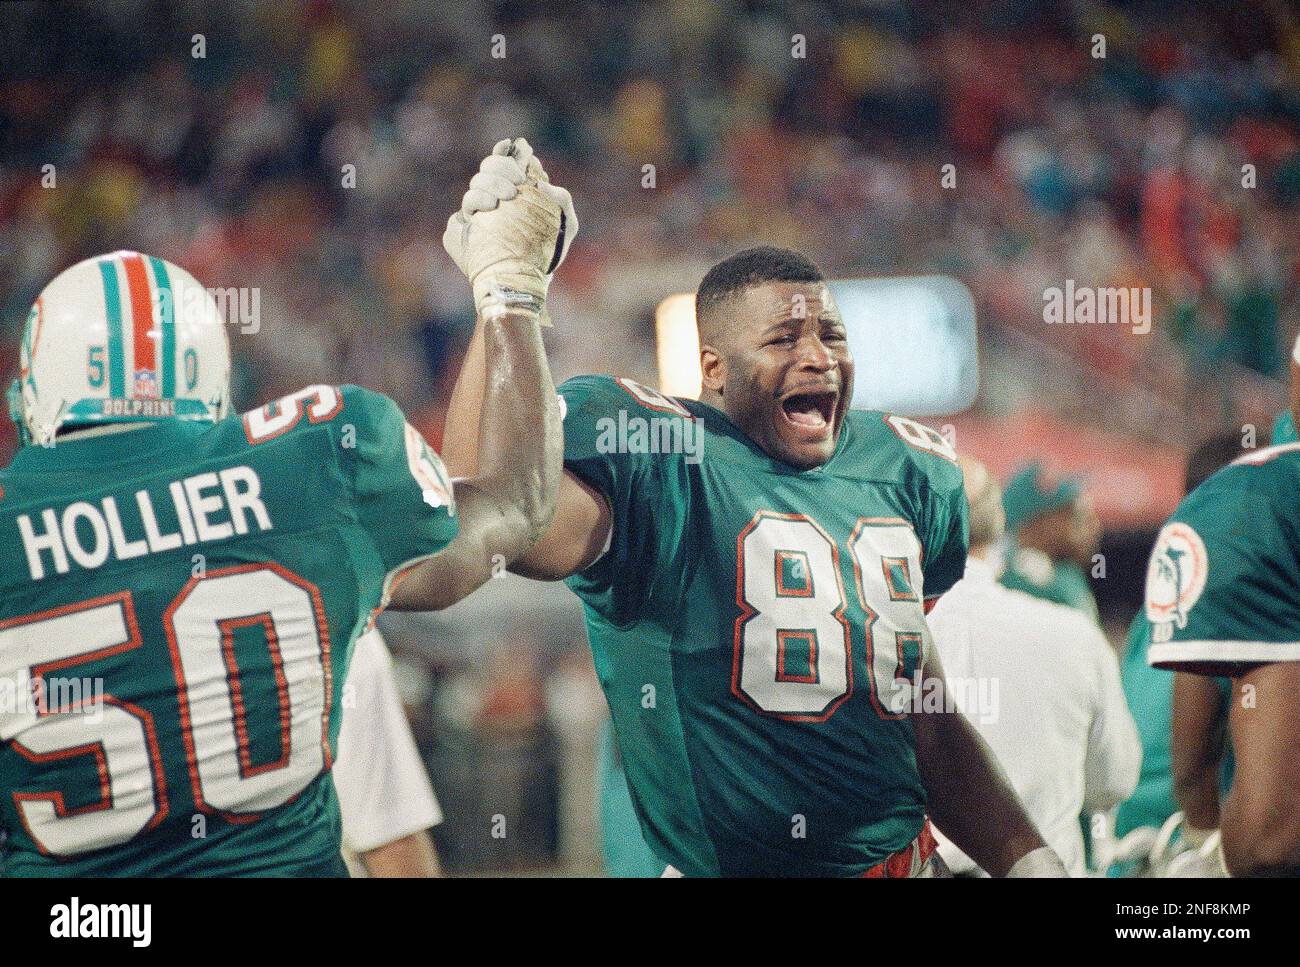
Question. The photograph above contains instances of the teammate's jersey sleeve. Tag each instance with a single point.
(1223, 582)
(947, 537)
(602, 416)
(401, 490)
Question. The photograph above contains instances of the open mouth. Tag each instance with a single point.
(811, 411)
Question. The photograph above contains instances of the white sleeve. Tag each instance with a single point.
(383, 788)
(1114, 758)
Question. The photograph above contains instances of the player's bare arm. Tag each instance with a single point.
(577, 532)
(506, 505)
(411, 857)
(969, 797)
(1198, 737)
(510, 234)
(1261, 817)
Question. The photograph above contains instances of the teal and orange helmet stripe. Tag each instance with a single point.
(150, 350)
(143, 350)
(113, 303)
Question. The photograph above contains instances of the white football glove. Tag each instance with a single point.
(513, 230)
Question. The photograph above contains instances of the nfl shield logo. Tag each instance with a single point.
(146, 384)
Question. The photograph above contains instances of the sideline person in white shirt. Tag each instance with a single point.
(385, 796)
(1040, 684)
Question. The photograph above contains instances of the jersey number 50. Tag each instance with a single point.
(793, 653)
(121, 736)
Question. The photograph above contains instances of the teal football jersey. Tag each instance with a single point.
(756, 628)
(178, 605)
(1223, 583)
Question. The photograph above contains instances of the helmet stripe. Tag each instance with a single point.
(113, 303)
(168, 302)
(137, 284)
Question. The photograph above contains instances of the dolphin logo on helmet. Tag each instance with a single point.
(122, 337)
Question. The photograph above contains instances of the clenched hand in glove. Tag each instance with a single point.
(512, 231)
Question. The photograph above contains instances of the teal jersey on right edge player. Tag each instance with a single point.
(756, 628)
(1223, 585)
(187, 595)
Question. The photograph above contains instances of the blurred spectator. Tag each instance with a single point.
(311, 151)
(1053, 535)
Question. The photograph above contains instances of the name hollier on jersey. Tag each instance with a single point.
(206, 507)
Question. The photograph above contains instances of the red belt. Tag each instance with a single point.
(908, 860)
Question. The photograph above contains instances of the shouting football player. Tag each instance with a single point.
(755, 569)
(180, 588)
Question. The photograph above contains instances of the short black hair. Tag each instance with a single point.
(765, 263)
(1210, 457)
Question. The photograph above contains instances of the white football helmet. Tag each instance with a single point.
(120, 337)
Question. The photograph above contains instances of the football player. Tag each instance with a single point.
(1179, 717)
(180, 587)
(1223, 598)
(755, 569)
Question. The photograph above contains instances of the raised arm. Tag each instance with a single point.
(510, 234)
(581, 523)
(504, 507)
(577, 532)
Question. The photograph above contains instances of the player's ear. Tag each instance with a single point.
(713, 369)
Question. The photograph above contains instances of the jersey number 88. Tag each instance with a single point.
(793, 643)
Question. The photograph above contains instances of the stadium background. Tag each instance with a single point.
(1123, 170)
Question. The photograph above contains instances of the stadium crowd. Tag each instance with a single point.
(228, 132)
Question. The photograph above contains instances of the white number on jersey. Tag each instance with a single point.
(320, 403)
(793, 643)
(199, 626)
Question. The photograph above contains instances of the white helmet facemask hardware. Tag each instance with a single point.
(122, 337)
